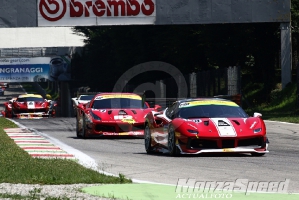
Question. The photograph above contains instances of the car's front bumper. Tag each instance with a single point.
(249, 144)
(115, 129)
(32, 115)
(226, 150)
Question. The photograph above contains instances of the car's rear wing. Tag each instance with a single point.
(87, 93)
(163, 102)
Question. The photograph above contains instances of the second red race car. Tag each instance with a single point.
(112, 114)
(28, 106)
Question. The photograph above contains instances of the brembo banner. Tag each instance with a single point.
(95, 12)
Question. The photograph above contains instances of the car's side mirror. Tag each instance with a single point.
(257, 114)
(157, 108)
(81, 106)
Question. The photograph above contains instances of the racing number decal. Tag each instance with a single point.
(130, 121)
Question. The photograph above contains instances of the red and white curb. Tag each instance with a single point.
(36, 145)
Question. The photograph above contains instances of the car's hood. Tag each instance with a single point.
(225, 127)
(121, 115)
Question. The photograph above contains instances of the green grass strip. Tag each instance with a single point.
(17, 166)
(167, 192)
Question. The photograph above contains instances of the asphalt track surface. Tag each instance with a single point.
(127, 156)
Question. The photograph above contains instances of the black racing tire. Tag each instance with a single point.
(84, 136)
(13, 114)
(77, 129)
(257, 154)
(6, 112)
(172, 148)
(75, 112)
(148, 139)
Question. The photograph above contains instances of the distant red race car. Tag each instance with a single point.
(205, 125)
(28, 106)
(112, 114)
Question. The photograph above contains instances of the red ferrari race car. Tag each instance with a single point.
(2, 84)
(205, 125)
(28, 106)
(112, 114)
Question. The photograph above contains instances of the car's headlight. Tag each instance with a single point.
(192, 131)
(257, 130)
(95, 116)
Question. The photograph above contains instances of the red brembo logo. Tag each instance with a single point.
(99, 8)
(53, 3)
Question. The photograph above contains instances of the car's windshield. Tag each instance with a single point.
(86, 97)
(25, 99)
(117, 103)
(212, 111)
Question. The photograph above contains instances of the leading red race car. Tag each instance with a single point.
(205, 125)
(112, 114)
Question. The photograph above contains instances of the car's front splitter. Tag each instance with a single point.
(225, 150)
(32, 115)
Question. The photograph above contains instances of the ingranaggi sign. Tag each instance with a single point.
(95, 12)
(35, 69)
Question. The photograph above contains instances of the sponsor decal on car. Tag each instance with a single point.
(130, 121)
(113, 96)
(98, 98)
(123, 133)
(207, 102)
(122, 117)
(228, 150)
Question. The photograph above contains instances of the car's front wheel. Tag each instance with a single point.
(13, 115)
(148, 139)
(172, 148)
(84, 135)
(77, 129)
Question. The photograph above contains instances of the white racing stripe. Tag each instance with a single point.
(30, 105)
(224, 127)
